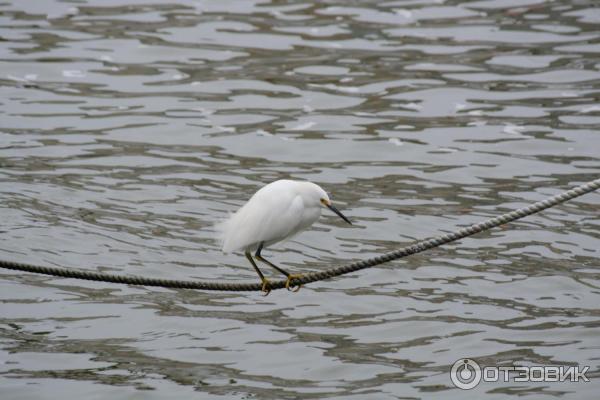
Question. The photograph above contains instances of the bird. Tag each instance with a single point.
(275, 213)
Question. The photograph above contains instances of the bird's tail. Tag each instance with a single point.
(224, 234)
(220, 229)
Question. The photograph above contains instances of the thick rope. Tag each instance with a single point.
(418, 247)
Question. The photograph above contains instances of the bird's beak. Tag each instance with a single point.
(335, 210)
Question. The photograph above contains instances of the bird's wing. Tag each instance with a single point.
(284, 219)
(262, 219)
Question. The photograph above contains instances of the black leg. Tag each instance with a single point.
(249, 257)
(269, 263)
(265, 281)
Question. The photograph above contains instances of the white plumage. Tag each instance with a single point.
(275, 213)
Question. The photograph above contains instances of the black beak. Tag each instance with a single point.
(335, 210)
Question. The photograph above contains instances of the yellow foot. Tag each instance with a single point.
(289, 279)
(266, 287)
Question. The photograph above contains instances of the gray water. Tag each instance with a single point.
(129, 128)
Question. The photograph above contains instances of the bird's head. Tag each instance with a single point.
(324, 199)
(327, 203)
(316, 196)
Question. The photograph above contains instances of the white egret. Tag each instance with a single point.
(274, 213)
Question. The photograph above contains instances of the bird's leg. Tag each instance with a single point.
(266, 285)
(287, 274)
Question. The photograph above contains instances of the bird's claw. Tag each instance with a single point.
(289, 280)
(266, 287)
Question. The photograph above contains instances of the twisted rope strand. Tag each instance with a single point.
(415, 248)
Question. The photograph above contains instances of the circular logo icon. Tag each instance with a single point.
(465, 374)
